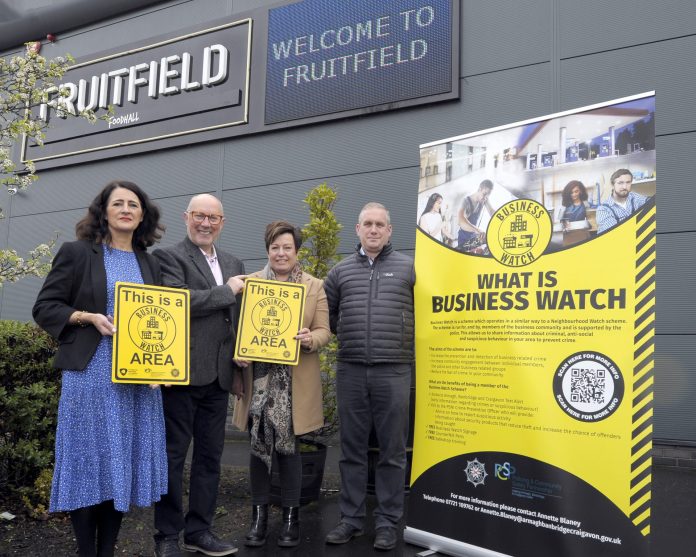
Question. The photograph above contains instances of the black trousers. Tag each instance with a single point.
(198, 414)
(376, 394)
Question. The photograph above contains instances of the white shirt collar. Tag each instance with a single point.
(214, 265)
(210, 258)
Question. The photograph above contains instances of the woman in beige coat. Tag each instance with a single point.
(281, 402)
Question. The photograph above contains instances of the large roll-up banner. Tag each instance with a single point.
(535, 310)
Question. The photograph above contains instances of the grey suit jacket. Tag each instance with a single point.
(214, 309)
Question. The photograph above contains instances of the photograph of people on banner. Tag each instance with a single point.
(463, 181)
(535, 318)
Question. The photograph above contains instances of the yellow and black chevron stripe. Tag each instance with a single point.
(643, 371)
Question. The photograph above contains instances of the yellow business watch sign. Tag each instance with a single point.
(535, 322)
(271, 317)
(151, 344)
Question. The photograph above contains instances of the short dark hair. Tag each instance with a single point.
(486, 184)
(619, 172)
(93, 226)
(278, 227)
(567, 199)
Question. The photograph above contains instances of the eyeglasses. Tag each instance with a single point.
(199, 217)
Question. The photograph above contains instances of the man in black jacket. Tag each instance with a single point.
(370, 297)
(198, 411)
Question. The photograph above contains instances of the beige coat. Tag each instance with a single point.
(307, 407)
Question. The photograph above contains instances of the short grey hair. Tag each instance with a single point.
(374, 205)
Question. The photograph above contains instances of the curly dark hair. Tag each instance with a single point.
(567, 199)
(278, 227)
(94, 227)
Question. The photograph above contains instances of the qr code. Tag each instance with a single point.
(587, 385)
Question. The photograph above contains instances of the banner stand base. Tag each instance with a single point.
(447, 546)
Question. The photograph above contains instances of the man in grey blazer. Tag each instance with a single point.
(198, 411)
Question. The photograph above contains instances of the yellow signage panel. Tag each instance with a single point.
(271, 317)
(151, 344)
(535, 324)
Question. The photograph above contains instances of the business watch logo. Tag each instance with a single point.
(519, 232)
(475, 472)
(271, 317)
(152, 329)
(588, 386)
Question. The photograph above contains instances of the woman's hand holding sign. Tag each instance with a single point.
(305, 338)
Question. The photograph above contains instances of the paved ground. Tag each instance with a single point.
(673, 517)
(673, 520)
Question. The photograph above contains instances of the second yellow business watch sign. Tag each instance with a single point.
(271, 317)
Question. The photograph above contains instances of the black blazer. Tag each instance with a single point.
(214, 309)
(77, 282)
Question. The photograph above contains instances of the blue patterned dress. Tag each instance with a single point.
(110, 441)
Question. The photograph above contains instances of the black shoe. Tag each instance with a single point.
(385, 538)
(343, 533)
(167, 547)
(290, 530)
(209, 544)
(259, 522)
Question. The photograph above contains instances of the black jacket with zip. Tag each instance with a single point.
(371, 307)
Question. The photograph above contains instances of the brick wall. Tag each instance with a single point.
(675, 456)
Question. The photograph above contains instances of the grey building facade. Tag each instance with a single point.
(517, 60)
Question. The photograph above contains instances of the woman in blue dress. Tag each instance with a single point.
(110, 441)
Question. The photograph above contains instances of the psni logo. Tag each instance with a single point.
(504, 471)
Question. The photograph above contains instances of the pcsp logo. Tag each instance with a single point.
(504, 471)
